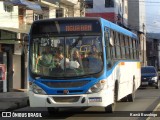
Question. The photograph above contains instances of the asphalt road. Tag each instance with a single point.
(145, 102)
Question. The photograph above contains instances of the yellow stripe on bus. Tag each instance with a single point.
(121, 63)
(138, 65)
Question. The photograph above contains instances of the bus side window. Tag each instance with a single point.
(118, 50)
(122, 46)
(109, 38)
(127, 47)
(113, 48)
(134, 48)
(131, 48)
(137, 49)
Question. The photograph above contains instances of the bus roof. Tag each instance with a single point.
(117, 28)
(103, 22)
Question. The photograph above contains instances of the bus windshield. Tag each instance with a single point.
(66, 56)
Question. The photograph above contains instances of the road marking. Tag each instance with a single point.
(155, 109)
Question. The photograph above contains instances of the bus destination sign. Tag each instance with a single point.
(71, 28)
(66, 27)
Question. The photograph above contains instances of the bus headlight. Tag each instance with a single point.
(97, 87)
(36, 89)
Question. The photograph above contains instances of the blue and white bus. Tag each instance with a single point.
(106, 68)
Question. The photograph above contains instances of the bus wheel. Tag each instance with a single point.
(125, 99)
(52, 110)
(110, 108)
(132, 95)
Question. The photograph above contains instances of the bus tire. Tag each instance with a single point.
(125, 99)
(111, 108)
(52, 110)
(131, 96)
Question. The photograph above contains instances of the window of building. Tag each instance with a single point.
(126, 10)
(109, 3)
(89, 4)
(38, 16)
(60, 12)
(8, 8)
(7, 35)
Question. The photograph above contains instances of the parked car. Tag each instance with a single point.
(149, 76)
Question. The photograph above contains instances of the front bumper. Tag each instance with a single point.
(103, 98)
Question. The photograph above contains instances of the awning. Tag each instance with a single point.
(9, 42)
(32, 5)
(8, 3)
(14, 30)
(28, 4)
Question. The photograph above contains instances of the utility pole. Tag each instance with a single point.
(143, 45)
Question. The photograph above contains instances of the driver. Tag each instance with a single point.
(68, 64)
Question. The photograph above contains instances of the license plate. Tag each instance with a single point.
(95, 99)
(144, 83)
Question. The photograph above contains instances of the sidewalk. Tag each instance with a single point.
(13, 100)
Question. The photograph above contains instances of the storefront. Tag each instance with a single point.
(13, 57)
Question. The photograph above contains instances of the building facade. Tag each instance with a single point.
(16, 17)
(153, 49)
(115, 11)
(129, 14)
(136, 22)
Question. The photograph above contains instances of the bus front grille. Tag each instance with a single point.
(66, 99)
(66, 84)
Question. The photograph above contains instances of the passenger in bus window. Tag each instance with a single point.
(92, 63)
(84, 55)
(57, 58)
(94, 51)
(45, 61)
(77, 57)
(61, 62)
(57, 70)
(60, 47)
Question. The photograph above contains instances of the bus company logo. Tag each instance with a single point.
(6, 114)
(65, 92)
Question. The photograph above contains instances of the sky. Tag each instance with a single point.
(153, 16)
